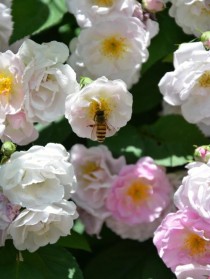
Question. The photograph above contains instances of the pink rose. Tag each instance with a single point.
(95, 169)
(140, 193)
(183, 238)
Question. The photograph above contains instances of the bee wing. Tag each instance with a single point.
(111, 130)
(93, 132)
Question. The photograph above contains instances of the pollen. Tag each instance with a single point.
(204, 80)
(89, 168)
(103, 3)
(100, 104)
(195, 244)
(5, 84)
(205, 11)
(114, 47)
(139, 191)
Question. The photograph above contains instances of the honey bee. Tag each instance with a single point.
(100, 127)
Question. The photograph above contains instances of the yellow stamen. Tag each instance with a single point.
(138, 191)
(103, 3)
(5, 84)
(205, 11)
(204, 80)
(114, 47)
(88, 169)
(100, 104)
(195, 244)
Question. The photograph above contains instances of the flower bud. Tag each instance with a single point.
(85, 81)
(202, 153)
(8, 148)
(153, 6)
(205, 39)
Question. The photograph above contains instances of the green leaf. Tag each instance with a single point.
(34, 16)
(167, 40)
(28, 16)
(75, 240)
(146, 93)
(170, 140)
(127, 260)
(57, 9)
(56, 132)
(49, 262)
(11, 267)
(126, 142)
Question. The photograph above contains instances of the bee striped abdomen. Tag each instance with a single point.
(101, 132)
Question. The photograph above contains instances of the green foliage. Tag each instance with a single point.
(57, 9)
(49, 262)
(168, 39)
(34, 16)
(125, 260)
(169, 140)
(126, 142)
(56, 132)
(146, 93)
(75, 240)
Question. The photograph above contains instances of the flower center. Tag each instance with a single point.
(100, 104)
(114, 47)
(103, 3)
(204, 80)
(138, 191)
(5, 84)
(195, 244)
(89, 168)
(206, 8)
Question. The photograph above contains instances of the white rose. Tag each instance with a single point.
(194, 192)
(39, 176)
(88, 12)
(11, 87)
(191, 15)
(8, 212)
(18, 129)
(36, 228)
(95, 169)
(151, 26)
(188, 85)
(192, 271)
(115, 48)
(47, 81)
(6, 24)
(105, 95)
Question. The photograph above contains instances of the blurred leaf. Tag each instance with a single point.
(28, 16)
(126, 142)
(56, 132)
(146, 93)
(75, 240)
(167, 40)
(49, 262)
(127, 260)
(33, 16)
(170, 140)
(57, 9)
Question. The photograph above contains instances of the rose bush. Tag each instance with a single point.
(135, 76)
